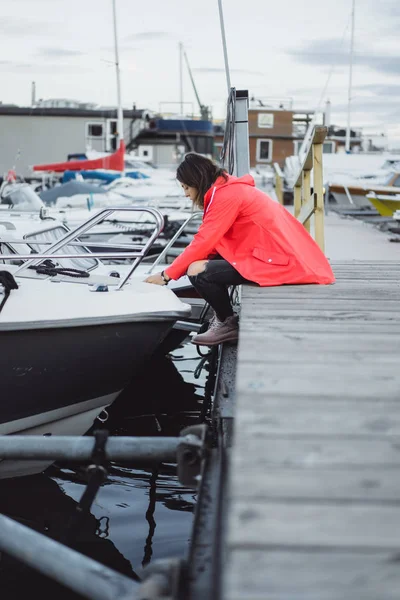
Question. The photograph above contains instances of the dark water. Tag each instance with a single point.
(139, 515)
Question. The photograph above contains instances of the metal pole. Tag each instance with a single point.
(119, 101)
(193, 83)
(89, 255)
(75, 448)
(195, 215)
(77, 572)
(242, 158)
(347, 145)
(181, 77)
(221, 20)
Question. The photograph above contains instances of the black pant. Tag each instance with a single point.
(212, 285)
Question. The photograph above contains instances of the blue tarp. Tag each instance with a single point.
(101, 175)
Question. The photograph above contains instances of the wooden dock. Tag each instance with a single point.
(314, 510)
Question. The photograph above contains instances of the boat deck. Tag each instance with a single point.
(314, 511)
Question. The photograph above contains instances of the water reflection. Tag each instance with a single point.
(139, 514)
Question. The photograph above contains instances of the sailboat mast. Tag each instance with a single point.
(223, 36)
(181, 78)
(347, 145)
(120, 115)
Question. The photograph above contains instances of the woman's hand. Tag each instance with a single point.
(157, 279)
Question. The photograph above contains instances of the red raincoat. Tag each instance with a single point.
(256, 235)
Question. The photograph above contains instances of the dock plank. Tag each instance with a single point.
(324, 484)
(288, 575)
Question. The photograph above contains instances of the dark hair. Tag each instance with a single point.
(199, 172)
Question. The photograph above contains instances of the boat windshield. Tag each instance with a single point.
(52, 235)
(20, 196)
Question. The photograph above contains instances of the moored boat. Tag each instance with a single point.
(354, 191)
(67, 351)
(70, 341)
(385, 204)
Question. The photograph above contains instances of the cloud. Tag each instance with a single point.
(376, 104)
(150, 35)
(20, 26)
(121, 49)
(333, 52)
(390, 8)
(217, 71)
(381, 89)
(58, 52)
(33, 69)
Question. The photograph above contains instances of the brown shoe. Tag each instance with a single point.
(219, 332)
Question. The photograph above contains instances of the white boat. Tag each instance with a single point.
(349, 177)
(72, 211)
(28, 226)
(68, 347)
(354, 191)
(33, 231)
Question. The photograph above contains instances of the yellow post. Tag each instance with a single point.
(306, 195)
(297, 200)
(318, 196)
(306, 206)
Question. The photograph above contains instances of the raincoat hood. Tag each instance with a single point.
(221, 182)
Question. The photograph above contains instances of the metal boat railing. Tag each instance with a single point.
(166, 249)
(70, 237)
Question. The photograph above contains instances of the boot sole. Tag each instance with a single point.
(229, 339)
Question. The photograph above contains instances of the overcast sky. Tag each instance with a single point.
(280, 50)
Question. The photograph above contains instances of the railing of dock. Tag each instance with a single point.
(309, 201)
(278, 182)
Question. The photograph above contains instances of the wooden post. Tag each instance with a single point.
(318, 196)
(278, 183)
(305, 206)
(297, 200)
(306, 195)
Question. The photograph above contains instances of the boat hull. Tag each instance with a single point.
(358, 199)
(387, 207)
(56, 381)
(357, 195)
(71, 420)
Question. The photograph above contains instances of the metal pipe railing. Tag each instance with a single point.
(161, 256)
(29, 242)
(77, 572)
(68, 567)
(81, 229)
(38, 447)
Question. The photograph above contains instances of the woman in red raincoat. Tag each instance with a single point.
(245, 237)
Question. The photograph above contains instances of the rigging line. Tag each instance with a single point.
(314, 119)
(332, 67)
(221, 20)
